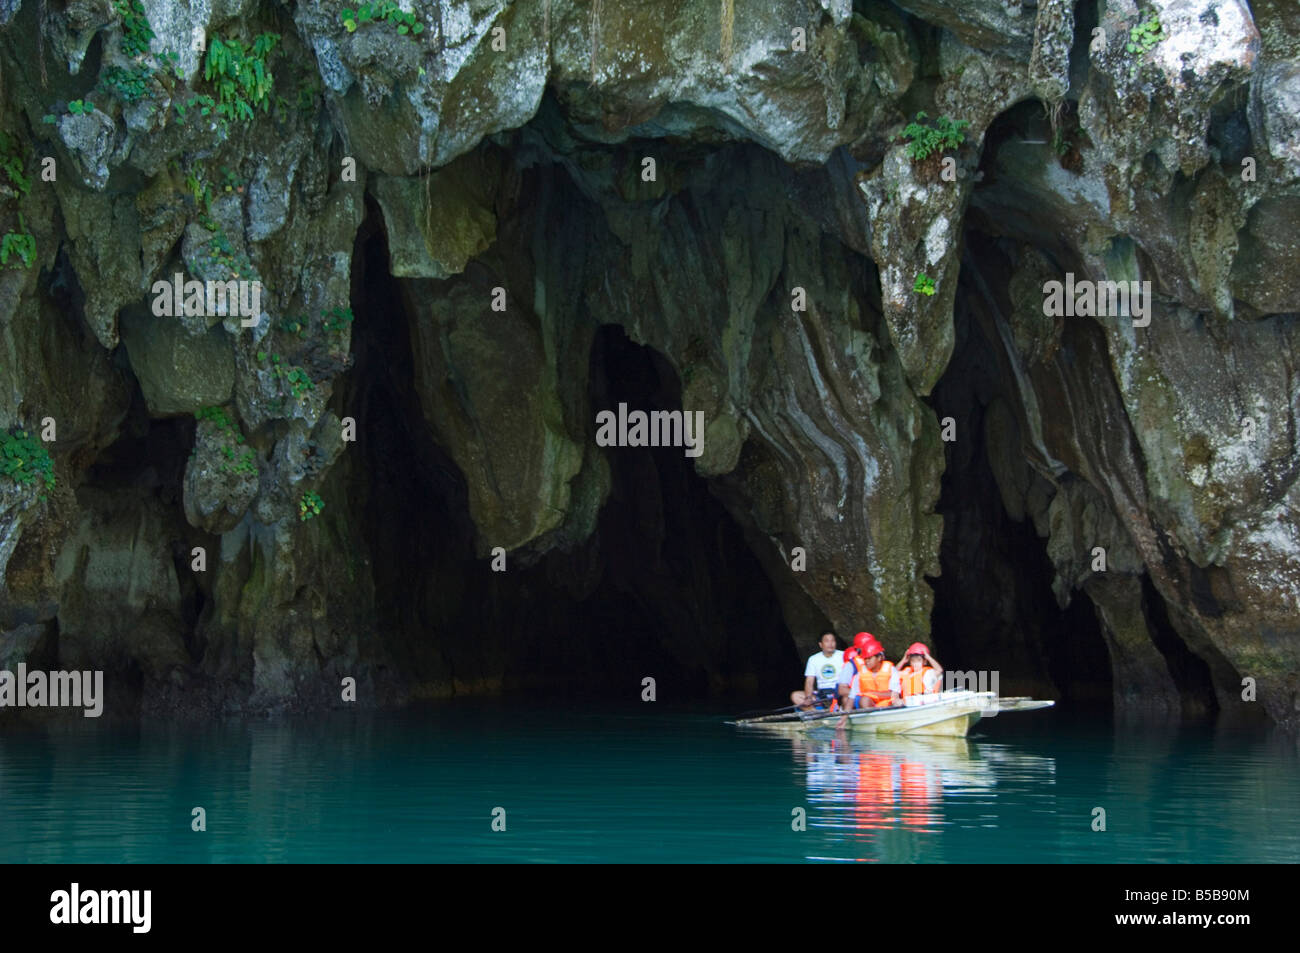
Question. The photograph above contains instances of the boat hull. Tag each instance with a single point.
(951, 717)
(948, 714)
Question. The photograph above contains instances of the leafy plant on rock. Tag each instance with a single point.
(11, 162)
(382, 11)
(237, 460)
(136, 31)
(128, 85)
(333, 320)
(198, 189)
(216, 416)
(245, 462)
(296, 326)
(240, 74)
(336, 319)
(923, 284)
(205, 105)
(293, 380)
(24, 459)
(310, 505)
(231, 181)
(307, 93)
(1146, 35)
(224, 254)
(924, 139)
(1144, 38)
(21, 243)
(299, 382)
(1060, 145)
(132, 83)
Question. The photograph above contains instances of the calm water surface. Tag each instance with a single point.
(643, 786)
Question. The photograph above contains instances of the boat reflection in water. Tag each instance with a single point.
(895, 799)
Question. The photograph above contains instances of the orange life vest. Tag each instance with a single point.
(913, 682)
(875, 685)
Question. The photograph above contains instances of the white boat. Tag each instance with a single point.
(945, 713)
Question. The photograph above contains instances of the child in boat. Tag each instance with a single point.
(917, 674)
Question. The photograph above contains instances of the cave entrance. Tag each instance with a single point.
(994, 606)
(998, 587)
(665, 587)
(678, 575)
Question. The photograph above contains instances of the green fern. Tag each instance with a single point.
(240, 75)
(21, 243)
(924, 140)
(11, 161)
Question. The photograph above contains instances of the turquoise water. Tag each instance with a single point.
(641, 786)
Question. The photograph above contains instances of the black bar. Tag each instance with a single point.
(964, 903)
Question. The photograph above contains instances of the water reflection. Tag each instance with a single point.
(890, 798)
(642, 788)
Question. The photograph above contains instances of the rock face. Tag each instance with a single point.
(178, 373)
(466, 236)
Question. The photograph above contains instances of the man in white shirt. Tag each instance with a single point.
(820, 676)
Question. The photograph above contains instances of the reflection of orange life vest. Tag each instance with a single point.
(875, 790)
(913, 792)
(913, 682)
(875, 685)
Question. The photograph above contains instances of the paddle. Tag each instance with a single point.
(762, 711)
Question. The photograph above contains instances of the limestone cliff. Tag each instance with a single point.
(475, 224)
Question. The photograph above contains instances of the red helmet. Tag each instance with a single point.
(917, 648)
(850, 655)
(867, 645)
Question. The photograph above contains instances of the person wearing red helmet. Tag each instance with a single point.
(849, 655)
(868, 680)
(919, 673)
(819, 685)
